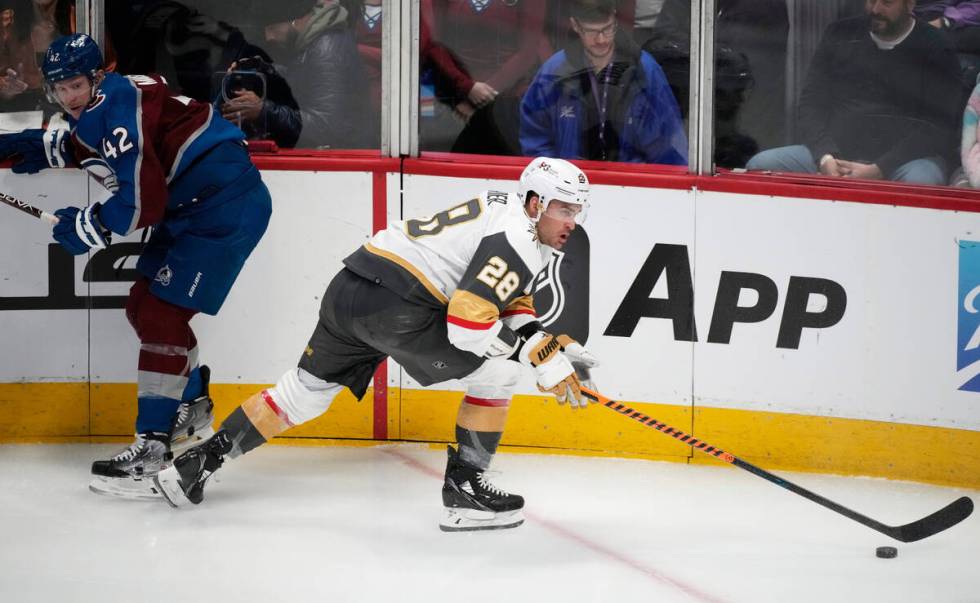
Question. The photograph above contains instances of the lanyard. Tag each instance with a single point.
(601, 104)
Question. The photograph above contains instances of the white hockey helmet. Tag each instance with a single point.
(555, 180)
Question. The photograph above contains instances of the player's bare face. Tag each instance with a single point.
(74, 94)
(557, 223)
(598, 38)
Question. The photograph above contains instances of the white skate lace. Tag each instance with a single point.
(182, 412)
(130, 453)
(487, 485)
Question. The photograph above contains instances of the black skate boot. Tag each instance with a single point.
(183, 482)
(129, 473)
(473, 503)
(194, 419)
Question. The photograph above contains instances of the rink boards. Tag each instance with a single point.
(812, 334)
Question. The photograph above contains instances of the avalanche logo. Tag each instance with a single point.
(95, 102)
(968, 331)
(164, 276)
(480, 5)
(561, 292)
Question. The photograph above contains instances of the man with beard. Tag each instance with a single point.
(602, 98)
(882, 100)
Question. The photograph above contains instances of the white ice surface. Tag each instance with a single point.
(361, 524)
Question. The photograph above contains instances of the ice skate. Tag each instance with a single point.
(473, 503)
(183, 482)
(129, 473)
(194, 418)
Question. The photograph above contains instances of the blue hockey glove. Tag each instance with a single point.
(80, 229)
(37, 149)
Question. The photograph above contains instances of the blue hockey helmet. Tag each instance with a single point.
(71, 55)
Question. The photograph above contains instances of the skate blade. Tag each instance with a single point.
(125, 488)
(167, 482)
(182, 443)
(469, 520)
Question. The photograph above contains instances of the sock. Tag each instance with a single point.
(477, 448)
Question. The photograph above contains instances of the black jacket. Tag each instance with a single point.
(887, 107)
(329, 84)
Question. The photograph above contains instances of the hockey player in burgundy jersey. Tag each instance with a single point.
(173, 164)
(447, 297)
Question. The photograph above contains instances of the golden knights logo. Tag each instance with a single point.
(561, 291)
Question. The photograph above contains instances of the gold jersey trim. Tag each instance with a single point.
(472, 308)
(392, 257)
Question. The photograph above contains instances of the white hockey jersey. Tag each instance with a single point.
(478, 259)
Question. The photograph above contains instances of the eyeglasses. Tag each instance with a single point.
(590, 32)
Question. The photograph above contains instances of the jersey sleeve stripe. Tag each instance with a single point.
(137, 172)
(187, 143)
(469, 307)
(469, 324)
(521, 305)
(432, 289)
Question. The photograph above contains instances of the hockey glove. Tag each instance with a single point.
(554, 372)
(582, 360)
(37, 149)
(80, 229)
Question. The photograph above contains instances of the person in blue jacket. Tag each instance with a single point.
(602, 98)
(173, 164)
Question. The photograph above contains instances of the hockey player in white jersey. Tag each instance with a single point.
(447, 297)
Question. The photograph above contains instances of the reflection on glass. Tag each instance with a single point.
(478, 57)
(313, 92)
(27, 27)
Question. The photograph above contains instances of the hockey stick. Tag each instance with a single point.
(28, 208)
(943, 519)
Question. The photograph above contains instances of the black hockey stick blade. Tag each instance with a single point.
(943, 519)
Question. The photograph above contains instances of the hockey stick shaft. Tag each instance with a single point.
(28, 208)
(943, 519)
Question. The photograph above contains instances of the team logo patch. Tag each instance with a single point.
(164, 276)
(95, 102)
(497, 197)
(968, 331)
(567, 112)
(561, 291)
(480, 5)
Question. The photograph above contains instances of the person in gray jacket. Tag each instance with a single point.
(316, 53)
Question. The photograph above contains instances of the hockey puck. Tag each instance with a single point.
(886, 552)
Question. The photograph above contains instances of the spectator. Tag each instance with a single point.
(647, 12)
(882, 100)
(970, 143)
(958, 20)
(496, 45)
(602, 98)
(750, 71)
(369, 42)
(949, 14)
(326, 76)
(185, 46)
(20, 76)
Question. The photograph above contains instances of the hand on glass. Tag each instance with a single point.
(481, 94)
(246, 106)
(11, 85)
